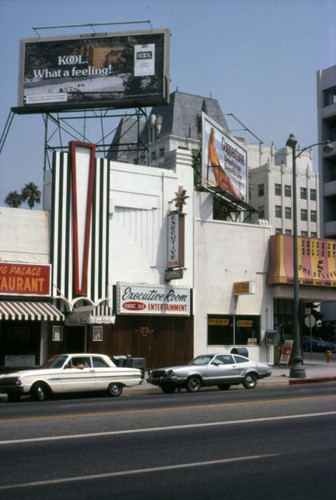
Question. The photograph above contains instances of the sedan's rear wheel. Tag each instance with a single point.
(114, 390)
(223, 387)
(39, 391)
(193, 384)
(250, 381)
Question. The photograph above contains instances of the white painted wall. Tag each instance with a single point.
(140, 200)
(24, 236)
(228, 252)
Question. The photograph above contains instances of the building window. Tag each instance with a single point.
(313, 216)
(261, 190)
(288, 190)
(313, 194)
(303, 214)
(288, 212)
(162, 152)
(278, 230)
(333, 172)
(247, 330)
(304, 233)
(303, 193)
(278, 211)
(220, 330)
(288, 231)
(329, 96)
(153, 155)
(313, 234)
(278, 189)
(261, 211)
(233, 330)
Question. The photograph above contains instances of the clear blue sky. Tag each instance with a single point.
(259, 58)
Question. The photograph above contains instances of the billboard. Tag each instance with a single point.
(119, 70)
(224, 161)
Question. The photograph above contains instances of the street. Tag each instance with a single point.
(236, 444)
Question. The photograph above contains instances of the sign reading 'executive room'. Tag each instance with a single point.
(158, 300)
(24, 279)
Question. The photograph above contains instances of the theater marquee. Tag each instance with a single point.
(153, 300)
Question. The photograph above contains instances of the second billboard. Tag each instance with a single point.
(224, 163)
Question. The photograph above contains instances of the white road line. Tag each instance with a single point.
(162, 429)
(133, 472)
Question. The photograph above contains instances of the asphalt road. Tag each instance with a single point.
(238, 444)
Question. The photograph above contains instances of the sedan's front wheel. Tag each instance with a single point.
(114, 390)
(193, 384)
(39, 392)
(250, 381)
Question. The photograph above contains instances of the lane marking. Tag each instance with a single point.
(171, 408)
(163, 429)
(134, 471)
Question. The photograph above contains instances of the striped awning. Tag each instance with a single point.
(38, 311)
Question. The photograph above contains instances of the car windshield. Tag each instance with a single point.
(55, 362)
(201, 360)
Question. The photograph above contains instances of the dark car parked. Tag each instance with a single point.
(316, 344)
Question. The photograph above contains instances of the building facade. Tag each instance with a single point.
(326, 105)
(270, 178)
(326, 116)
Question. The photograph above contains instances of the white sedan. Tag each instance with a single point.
(70, 373)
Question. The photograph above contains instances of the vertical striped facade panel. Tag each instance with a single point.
(62, 234)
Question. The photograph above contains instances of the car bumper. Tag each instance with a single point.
(12, 389)
(166, 380)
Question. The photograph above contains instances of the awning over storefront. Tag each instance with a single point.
(38, 311)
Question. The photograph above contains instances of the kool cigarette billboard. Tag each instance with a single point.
(224, 163)
(114, 69)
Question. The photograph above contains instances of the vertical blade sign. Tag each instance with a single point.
(83, 172)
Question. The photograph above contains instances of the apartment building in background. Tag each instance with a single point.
(326, 115)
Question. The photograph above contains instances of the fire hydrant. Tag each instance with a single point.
(328, 354)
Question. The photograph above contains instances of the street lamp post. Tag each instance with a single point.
(297, 369)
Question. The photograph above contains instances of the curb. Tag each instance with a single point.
(311, 380)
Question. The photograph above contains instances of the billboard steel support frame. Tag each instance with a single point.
(62, 126)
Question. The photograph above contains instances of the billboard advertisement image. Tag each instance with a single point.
(224, 162)
(114, 69)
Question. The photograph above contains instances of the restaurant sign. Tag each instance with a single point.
(24, 279)
(153, 300)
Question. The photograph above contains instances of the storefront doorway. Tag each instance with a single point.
(75, 339)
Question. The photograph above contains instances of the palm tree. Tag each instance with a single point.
(13, 199)
(31, 194)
